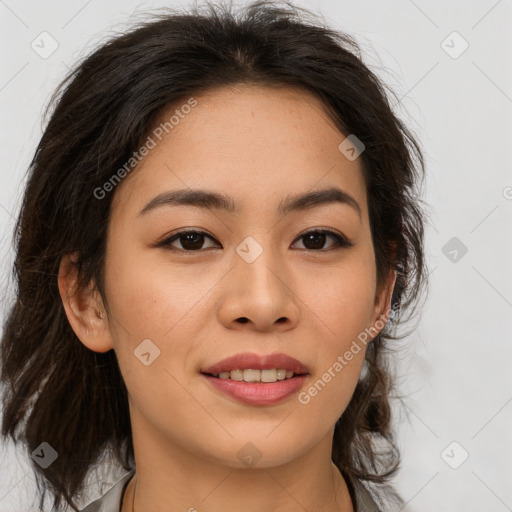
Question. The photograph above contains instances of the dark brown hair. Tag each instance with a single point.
(58, 391)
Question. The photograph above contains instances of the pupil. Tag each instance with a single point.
(191, 237)
(318, 237)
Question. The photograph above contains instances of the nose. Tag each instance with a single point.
(259, 295)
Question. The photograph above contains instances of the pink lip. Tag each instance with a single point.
(256, 362)
(257, 393)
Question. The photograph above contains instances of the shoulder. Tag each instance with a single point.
(111, 500)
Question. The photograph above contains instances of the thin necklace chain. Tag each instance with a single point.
(134, 487)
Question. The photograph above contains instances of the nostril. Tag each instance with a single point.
(243, 320)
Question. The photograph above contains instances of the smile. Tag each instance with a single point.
(250, 375)
(257, 379)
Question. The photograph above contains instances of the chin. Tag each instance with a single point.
(263, 449)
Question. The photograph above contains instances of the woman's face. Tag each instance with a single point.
(250, 282)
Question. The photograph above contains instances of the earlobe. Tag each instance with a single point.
(84, 307)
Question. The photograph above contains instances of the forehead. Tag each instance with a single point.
(252, 142)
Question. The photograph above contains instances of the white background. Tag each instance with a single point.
(456, 368)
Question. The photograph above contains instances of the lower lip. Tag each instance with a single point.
(258, 393)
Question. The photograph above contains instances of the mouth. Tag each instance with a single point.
(257, 379)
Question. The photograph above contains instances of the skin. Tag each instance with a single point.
(257, 145)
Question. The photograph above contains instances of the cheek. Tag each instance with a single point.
(342, 303)
(150, 300)
(341, 297)
(340, 347)
(161, 304)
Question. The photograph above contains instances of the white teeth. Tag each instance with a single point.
(250, 375)
(268, 375)
(236, 375)
(281, 374)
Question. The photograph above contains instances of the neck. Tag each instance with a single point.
(172, 480)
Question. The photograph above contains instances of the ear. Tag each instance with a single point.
(84, 307)
(382, 306)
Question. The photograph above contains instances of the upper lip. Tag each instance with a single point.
(256, 362)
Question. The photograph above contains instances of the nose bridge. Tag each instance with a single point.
(256, 264)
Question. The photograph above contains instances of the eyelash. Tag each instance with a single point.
(341, 241)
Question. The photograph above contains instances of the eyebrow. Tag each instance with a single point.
(218, 201)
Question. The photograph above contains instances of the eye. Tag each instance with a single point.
(315, 239)
(193, 241)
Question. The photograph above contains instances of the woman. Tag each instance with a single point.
(220, 233)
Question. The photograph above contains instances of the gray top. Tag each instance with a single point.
(111, 500)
